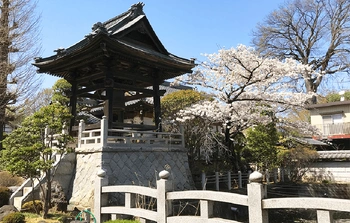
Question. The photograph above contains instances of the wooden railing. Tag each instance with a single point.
(334, 129)
(256, 201)
(119, 137)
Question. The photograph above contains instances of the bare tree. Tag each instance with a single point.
(314, 32)
(19, 38)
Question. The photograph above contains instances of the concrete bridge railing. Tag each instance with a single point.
(256, 201)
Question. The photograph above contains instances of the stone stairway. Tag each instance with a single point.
(24, 192)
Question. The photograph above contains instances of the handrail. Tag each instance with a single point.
(330, 204)
(255, 200)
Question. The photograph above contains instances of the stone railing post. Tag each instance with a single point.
(64, 129)
(256, 193)
(324, 216)
(163, 205)
(80, 131)
(99, 198)
(207, 209)
(104, 131)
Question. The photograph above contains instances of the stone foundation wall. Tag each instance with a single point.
(128, 166)
(87, 165)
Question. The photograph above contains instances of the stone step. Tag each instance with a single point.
(26, 190)
(17, 202)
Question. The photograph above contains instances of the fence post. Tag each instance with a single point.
(267, 175)
(99, 198)
(239, 179)
(274, 175)
(256, 193)
(104, 131)
(229, 182)
(206, 209)
(80, 131)
(324, 216)
(204, 181)
(182, 131)
(217, 181)
(282, 174)
(163, 205)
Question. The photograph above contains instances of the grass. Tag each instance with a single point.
(52, 218)
(56, 218)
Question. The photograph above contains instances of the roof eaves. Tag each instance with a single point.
(330, 104)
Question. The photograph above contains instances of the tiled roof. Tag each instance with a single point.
(311, 141)
(119, 35)
(90, 119)
(337, 154)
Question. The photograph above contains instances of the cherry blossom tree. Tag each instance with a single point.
(247, 88)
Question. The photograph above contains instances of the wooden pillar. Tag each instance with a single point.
(157, 108)
(109, 84)
(73, 104)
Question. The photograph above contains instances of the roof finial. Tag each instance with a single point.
(137, 9)
(98, 28)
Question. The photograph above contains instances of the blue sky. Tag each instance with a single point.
(187, 28)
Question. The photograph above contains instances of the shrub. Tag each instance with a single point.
(7, 179)
(5, 194)
(15, 217)
(333, 97)
(33, 207)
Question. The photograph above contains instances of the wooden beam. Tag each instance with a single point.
(139, 96)
(134, 126)
(115, 86)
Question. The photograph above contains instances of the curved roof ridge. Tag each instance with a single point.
(134, 11)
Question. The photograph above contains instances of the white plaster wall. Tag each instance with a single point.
(332, 171)
(316, 117)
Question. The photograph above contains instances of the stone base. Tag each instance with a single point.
(128, 166)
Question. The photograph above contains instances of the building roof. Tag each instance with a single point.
(337, 154)
(311, 141)
(330, 104)
(128, 36)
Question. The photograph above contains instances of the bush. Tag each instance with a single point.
(333, 97)
(5, 194)
(7, 179)
(29, 206)
(15, 217)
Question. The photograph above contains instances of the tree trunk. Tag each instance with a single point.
(47, 195)
(231, 148)
(4, 53)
